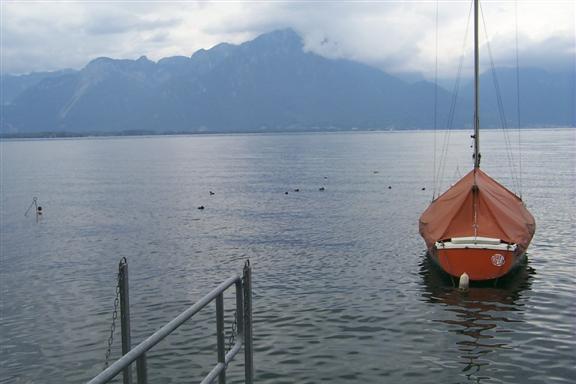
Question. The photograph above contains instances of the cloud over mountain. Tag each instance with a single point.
(271, 83)
(396, 37)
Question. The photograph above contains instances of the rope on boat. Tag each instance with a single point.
(440, 172)
(501, 112)
(440, 164)
(518, 100)
(435, 107)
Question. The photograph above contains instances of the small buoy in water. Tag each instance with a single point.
(322, 189)
(212, 193)
(389, 187)
(325, 177)
(423, 188)
(286, 192)
(201, 207)
(464, 282)
(375, 172)
(39, 210)
(297, 190)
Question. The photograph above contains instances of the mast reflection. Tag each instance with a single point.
(481, 317)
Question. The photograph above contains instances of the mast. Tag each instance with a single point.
(476, 121)
(476, 91)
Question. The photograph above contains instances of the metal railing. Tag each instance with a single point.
(243, 286)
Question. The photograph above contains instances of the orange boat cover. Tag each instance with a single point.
(500, 213)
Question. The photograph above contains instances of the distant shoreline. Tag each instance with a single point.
(72, 135)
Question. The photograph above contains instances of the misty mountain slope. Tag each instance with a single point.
(546, 99)
(14, 85)
(37, 108)
(268, 84)
(283, 86)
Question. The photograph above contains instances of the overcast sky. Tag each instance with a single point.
(397, 36)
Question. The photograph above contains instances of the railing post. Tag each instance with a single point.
(141, 371)
(138, 353)
(240, 309)
(125, 316)
(220, 336)
(248, 358)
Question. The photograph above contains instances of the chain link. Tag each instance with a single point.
(234, 327)
(113, 325)
(231, 338)
(233, 333)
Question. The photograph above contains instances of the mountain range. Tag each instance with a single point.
(268, 84)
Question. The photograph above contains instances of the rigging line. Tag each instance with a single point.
(501, 111)
(455, 93)
(451, 113)
(508, 145)
(450, 120)
(449, 126)
(518, 100)
(435, 107)
(457, 174)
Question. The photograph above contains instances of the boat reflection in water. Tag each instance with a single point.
(481, 322)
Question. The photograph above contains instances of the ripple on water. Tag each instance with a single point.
(342, 291)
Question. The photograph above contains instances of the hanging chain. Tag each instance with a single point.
(234, 327)
(113, 325)
(233, 333)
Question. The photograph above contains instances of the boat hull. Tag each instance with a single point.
(477, 227)
(479, 264)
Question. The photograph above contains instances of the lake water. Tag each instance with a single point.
(342, 289)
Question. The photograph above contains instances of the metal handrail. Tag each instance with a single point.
(138, 353)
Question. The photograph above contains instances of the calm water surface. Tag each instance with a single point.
(342, 290)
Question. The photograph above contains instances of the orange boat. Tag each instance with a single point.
(477, 227)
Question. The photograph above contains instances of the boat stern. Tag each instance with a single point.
(480, 257)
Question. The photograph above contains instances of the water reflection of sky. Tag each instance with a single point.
(339, 290)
